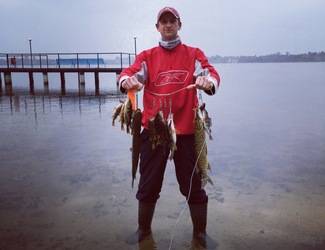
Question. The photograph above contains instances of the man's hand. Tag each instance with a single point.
(132, 83)
(203, 83)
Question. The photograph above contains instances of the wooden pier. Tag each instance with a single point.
(60, 63)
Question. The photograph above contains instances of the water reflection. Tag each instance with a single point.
(60, 84)
(35, 104)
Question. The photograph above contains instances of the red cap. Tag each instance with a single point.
(168, 9)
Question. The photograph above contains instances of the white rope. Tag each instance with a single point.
(187, 199)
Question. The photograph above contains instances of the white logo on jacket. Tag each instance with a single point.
(171, 77)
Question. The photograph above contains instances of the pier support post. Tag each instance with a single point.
(46, 82)
(8, 83)
(82, 83)
(31, 83)
(96, 83)
(45, 78)
(62, 83)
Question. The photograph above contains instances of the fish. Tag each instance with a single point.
(201, 150)
(206, 120)
(172, 135)
(158, 130)
(116, 112)
(131, 117)
(136, 141)
(127, 114)
(161, 128)
(121, 117)
(159, 122)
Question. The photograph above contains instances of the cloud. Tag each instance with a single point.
(218, 27)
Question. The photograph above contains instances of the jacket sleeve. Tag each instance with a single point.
(133, 69)
(213, 74)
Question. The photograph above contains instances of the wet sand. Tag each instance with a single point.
(82, 208)
(85, 201)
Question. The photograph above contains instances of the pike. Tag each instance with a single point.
(135, 116)
(201, 149)
(136, 141)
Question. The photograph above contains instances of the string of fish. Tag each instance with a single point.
(123, 110)
(202, 148)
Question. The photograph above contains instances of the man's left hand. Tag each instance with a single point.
(203, 83)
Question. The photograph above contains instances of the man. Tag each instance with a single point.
(167, 73)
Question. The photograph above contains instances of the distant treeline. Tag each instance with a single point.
(274, 58)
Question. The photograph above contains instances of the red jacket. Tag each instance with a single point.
(168, 73)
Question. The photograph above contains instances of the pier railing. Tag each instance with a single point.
(62, 63)
(65, 60)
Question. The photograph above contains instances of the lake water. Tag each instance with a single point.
(65, 175)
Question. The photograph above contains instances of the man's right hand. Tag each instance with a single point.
(132, 83)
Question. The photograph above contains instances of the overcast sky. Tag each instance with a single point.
(223, 27)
